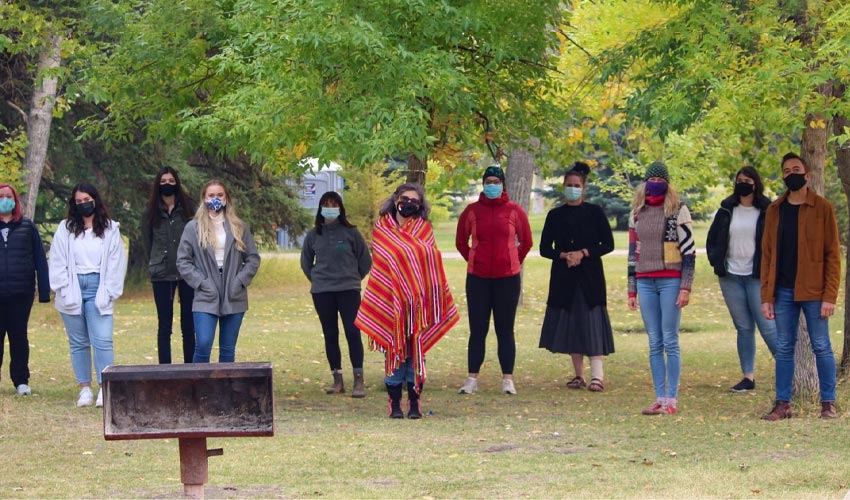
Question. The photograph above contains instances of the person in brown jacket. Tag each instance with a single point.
(800, 270)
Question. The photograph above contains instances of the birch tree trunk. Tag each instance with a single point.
(39, 120)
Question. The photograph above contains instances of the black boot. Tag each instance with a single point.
(394, 392)
(413, 402)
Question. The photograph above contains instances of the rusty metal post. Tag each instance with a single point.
(193, 466)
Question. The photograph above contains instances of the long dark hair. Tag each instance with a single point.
(320, 219)
(389, 205)
(760, 199)
(73, 219)
(155, 203)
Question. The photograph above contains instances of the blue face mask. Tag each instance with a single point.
(7, 205)
(572, 193)
(215, 204)
(330, 212)
(492, 191)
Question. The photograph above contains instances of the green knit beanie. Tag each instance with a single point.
(657, 169)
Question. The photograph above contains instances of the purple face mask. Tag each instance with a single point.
(656, 188)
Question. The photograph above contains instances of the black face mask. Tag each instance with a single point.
(795, 182)
(407, 209)
(744, 189)
(167, 189)
(85, 209)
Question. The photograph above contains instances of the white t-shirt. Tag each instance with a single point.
(88, 252)
(220, 239)
(742, 240)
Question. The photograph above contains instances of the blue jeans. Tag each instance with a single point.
(404, 373)
(787, 322)
(657, 298)
(743, 299)
(205, 333)
(87, 331)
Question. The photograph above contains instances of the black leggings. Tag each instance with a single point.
(163, 297)
(345, 304)
(501, 296)
(14, 317)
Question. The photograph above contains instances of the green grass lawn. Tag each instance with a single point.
(547, 441)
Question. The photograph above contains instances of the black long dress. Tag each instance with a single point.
(576, 319)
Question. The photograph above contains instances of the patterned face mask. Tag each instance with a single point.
(215, 204)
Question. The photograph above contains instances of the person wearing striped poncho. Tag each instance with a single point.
(407, 306)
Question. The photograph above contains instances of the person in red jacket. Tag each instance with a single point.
(500, 239)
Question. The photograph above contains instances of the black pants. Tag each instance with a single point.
(14, 317)
(499, 296)
(330, 305)
(163, 296)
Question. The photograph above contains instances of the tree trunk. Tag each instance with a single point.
(814, 147)
(537, 205)
(842, 165)
(417, 168)
(519, 175)
(39, 120)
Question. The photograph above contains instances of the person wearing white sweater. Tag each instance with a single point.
(87, 268)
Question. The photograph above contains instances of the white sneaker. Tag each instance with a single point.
(508, 386)
(470, 386)
(99, 403)
(86, 397)
(24, 390)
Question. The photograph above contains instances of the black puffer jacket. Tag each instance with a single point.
(717, 243)
(161, 242)
(21, 260)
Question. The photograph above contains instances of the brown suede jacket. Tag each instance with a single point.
(818, 252)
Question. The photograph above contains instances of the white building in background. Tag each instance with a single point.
(315, 182)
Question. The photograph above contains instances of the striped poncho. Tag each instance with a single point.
(407, 306)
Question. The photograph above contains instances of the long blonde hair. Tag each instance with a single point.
(206, 231)
(672, 201)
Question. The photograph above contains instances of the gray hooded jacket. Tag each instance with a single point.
(219, 293)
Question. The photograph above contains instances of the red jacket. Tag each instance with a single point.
(501, 237)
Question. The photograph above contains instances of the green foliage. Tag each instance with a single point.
(12, 149)
(724, 84)
(124, 174)
(334, 79)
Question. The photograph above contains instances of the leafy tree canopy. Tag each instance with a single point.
(336, 79)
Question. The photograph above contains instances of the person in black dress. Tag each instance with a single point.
(575, 236)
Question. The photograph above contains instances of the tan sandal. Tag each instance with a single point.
(577, 383)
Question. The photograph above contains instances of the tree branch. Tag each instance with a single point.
(19, 110)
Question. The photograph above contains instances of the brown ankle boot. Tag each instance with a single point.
(338, 387)
(781, 410)
(827, 409)
(359, 390)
